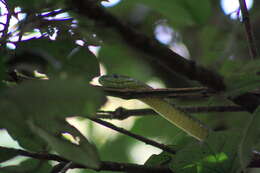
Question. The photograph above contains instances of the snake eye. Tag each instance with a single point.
(115, 76)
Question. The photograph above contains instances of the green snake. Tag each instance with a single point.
(181, 119)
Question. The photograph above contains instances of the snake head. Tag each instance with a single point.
(121, 82)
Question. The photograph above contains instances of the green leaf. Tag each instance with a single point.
(179, 12)
(61, 98)
(130, 64)
(7, 154)
(29, 165)
(217, 153)
(83, 153)
(45, 101)
(230, 67)
(66, 59)
(81, 62)
(242, 83)
(249, 139)
(161, 159)
(199, 13)
(15, 124)
(171, 9)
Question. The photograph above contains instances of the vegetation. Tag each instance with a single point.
(51, 50)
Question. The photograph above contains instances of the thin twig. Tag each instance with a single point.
(138, 137)
(122, 113)
(248, 29)
(54, 13)
(105, 165)
(3, 2)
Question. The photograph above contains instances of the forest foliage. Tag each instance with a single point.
(52, 49)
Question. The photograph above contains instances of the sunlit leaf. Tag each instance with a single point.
(163, 158)
(84, 153)
(15, 124)
(212, 154)
(45, 101)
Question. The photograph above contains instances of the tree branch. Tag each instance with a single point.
(105, 165)
(194, 92)
(138, 137)
(111, 166)
(248, 29)
(122, 113)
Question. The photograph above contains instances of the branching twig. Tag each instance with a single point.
(248, 29)
(112, 166)
(122, 113)
(138, 137)
(105, 165)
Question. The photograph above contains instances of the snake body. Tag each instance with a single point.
(181, 119)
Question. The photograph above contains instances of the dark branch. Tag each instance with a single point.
(195, 92)
(122, 113)
(105, 165)
(110, 166)
(161, 54)
(138, 137)
(248, 29)
(113, 166)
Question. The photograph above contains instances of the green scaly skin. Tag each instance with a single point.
(177, 117)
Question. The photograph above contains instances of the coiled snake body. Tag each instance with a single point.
(177, 117)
